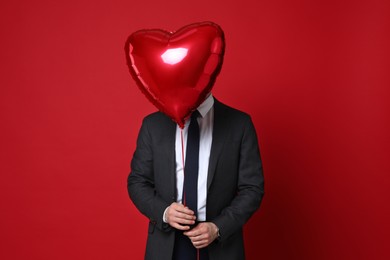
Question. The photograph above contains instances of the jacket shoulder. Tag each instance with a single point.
(230, 112)
(158, 124)
(157, 118)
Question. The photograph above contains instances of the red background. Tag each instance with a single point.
(314, 75)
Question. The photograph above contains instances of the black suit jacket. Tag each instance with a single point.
(235, 181)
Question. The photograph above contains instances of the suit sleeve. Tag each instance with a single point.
(250, 185)
(140, 183)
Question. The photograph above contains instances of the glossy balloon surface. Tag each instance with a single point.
(176, 70)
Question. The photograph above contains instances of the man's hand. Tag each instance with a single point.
(203, 234)
(179, 216)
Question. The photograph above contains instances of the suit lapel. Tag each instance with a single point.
(219, 134)
(169, 130)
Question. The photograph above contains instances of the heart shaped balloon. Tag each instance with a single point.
(176, 70)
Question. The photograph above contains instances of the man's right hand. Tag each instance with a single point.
(179, 216)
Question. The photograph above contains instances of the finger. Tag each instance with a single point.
(192, 233)
(185, 210)
(196, 231)
(197, 239)
(180, 208)
(180, 215)
(181, 218)
(203, 237)
(200, 244)
(184, 215)
(183, 221)
(180, 227)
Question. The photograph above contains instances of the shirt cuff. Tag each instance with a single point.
(164, 215)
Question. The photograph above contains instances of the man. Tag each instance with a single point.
(229, 184)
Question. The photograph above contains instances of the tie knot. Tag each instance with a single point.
(195, 114)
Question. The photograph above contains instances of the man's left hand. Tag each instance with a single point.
(203, 234)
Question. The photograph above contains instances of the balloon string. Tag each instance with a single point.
(182, 159)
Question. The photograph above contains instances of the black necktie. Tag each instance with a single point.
(183, 247)
(192, 164)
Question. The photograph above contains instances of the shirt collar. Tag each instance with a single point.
(205, 107)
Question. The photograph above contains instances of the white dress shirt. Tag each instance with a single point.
(206, 121)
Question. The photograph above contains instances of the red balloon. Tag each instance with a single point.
(176, 70)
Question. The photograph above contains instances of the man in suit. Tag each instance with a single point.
(229, 190)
